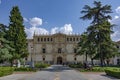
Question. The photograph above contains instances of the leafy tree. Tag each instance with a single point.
(86, 47)
(4, 45)
(100, 29)
(16, 34)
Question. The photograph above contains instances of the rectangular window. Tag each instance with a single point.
(67, 39)
(59, 50)
(77, 39)
(43, 59)
(41, 39)
(44, 39)
(43, 50)
(118, 61)
(73, 39)
(75, 50)
(70, 39)
(47, 39)
(51, 39)
(38, 39)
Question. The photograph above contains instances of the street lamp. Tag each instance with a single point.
(32, 62)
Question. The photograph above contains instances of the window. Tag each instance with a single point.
(51, 39)
(43, 59)
(75, 58)
(41, 39)
(77, 39)
(47, 39)
(43, 50)
(117, 46)
(70, 39)
(67, 39)
(118, 61)
(38, 39)
(59, 50)
(44, 39)
(75, 50)
(73, 39)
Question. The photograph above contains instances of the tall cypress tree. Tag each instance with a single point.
(16, 34)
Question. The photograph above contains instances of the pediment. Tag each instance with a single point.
(59, 34)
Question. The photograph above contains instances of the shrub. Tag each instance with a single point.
(25, 69)
(79, 65)
(115, 72)
(6, 71)
(41, 65)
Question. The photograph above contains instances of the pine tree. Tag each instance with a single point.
(16, 34)
(100, 29)
(5, 48)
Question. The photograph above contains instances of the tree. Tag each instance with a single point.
(16, 34)
(5, 48)
(86, 47)
(100, 29)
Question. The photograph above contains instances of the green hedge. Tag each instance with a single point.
(115, 72)
(76, 65)
(6, 71)
(41, 65)
(25, 69)
(94, 69)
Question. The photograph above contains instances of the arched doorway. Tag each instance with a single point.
(59, 60)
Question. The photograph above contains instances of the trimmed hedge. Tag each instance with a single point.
(76, 65)
(25, 69)
(6, 71)
(94, 69)
(41, 65)
(115, 72)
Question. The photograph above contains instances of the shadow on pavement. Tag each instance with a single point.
(109, 77)
(57, 68)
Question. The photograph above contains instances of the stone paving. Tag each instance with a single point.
(97, 76)
(58, 72)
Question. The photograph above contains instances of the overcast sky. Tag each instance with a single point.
(51, 16)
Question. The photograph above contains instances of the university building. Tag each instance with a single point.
(57, 49)
(54, 48)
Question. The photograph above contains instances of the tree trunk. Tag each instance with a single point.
(92, 62)
(18, 63)
(101, 60)
(86, 57)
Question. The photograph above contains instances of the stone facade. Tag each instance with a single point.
(116, 59)
(59, 48)
(55, 49)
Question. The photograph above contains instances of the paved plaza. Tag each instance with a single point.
(57, 72)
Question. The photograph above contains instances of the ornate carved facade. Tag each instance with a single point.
(55, 49)
(58, 48)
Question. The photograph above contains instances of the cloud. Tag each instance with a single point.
(118, 10)
(30, 31)
(116, 20)
(0, 1)
(35, 24)
(66, 29)
(25, 19)
(36, 21)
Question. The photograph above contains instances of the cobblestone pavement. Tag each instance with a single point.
(58, 72)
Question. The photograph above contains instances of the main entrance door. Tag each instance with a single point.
(59, 60)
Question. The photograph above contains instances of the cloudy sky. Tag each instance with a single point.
(51, 16)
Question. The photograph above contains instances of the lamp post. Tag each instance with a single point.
(32, 62)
